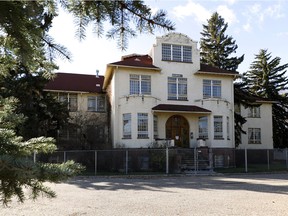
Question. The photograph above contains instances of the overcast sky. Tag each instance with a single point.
(254, 25)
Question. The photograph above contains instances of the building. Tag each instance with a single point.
(169, 94)
(88, 126)
(258, 126)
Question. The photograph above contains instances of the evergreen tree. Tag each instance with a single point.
(44, 114)
(217, 47)
(27, 53)
(16, 169)
(120, 15)
(266, 78)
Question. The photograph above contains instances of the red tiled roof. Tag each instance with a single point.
(215, 70)
(135, 60)
(180, 108)
(76, 82)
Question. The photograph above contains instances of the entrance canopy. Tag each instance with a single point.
(180, 109)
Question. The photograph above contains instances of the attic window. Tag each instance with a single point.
(137, 59)
(178, 53)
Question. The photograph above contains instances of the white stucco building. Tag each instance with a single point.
(168, 94)
(87, 105)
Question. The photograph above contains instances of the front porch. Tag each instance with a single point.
(183, 125)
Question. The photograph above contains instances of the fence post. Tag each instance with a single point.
(126, 162)
(268, 159)
(246, 167)
(195, 160)
(64, 156)
(95, 157)
(211, 159)
(287, 158)
(167, 160)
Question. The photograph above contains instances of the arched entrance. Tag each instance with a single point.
(177, 128)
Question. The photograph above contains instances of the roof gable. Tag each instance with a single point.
(76, 83)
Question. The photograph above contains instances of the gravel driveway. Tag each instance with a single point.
(263, 194)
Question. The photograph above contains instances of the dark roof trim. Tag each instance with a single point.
(180, 108)
(70, 82)
(207, 69)
(136, 61)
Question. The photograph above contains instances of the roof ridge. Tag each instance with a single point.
(132, 55)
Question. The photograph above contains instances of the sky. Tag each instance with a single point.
(254, 25)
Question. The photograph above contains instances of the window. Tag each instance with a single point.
(187, 53)
(254, 135)
(228, 128)
(73, 102)
(177, 88)
(68, 132)
(140, 84)
(70, 100)
(127, 126)
(96, 103)
(155, 126)
(218, 127)
(254, 112)
(166, 51)
(179, 53)
(142, 125)
(63, 97)
(211, 88)
(203, 127)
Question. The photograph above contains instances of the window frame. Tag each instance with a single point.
(180, 86)
(218, 127)
(139, 84)
(155, 127)
(66, 98)
(142, 126)
(127, 120)
(254, 112)
(254, 136)
(176, 52)
(212, 88)
(228, 127)
(203, 127)
(96, 105)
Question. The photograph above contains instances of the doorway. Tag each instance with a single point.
(177, 128)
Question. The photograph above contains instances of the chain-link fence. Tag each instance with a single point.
(172, 160)
(255, 160)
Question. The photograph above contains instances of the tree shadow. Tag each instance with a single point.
(264, 183)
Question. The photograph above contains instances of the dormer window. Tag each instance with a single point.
(178, 53)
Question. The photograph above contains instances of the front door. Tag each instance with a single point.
(177, 128)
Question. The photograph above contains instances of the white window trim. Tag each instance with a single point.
(96, 109)
(181, 53)
(218, 135)
(254, 112)
(127, 135)
(140, 78)
(211, 85)
(254, 139)
(177, 89)
(143, 134)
